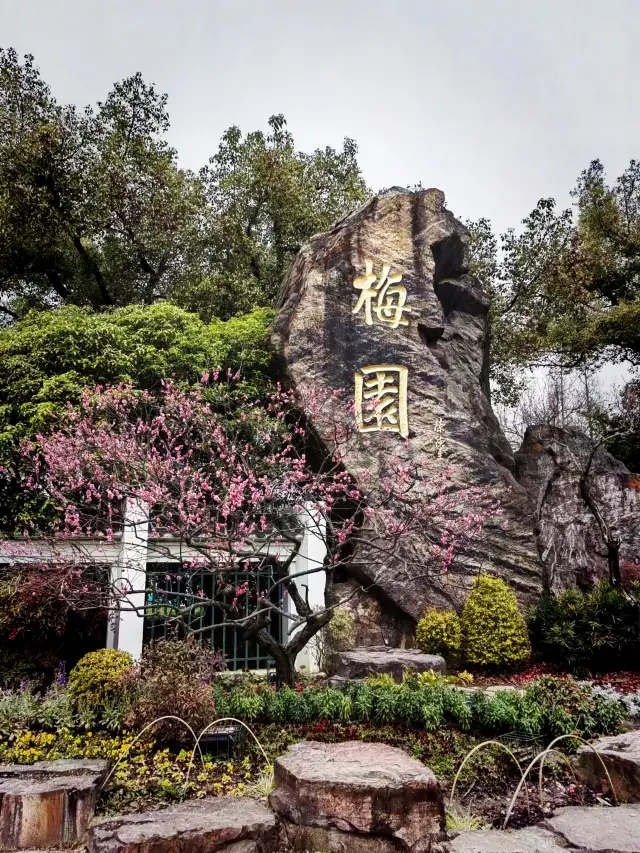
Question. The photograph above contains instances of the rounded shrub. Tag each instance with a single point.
(494, 632)
(97, 679)
(439, 632)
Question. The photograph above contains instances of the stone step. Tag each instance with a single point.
(582, 829)
(225, 824)
(48, 804)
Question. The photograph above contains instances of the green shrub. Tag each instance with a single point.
(494, 632)
(594, 630)
(96, 680)
(439, 632)
(548, 708)
(338, 635)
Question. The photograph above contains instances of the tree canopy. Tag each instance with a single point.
(96, 211)
(51, 356)
(566, 290)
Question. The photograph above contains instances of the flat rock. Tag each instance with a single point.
(330, 341)
(621, 755)
(598, 830)
(362, 788)
(49, 803)
(227, 824)
(529, 840)
(359, 663)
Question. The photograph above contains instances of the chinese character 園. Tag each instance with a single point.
(381, 399)
(382, 296)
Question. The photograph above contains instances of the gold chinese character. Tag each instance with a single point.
(381, 399)
(389, 302)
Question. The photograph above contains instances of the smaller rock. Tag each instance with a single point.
(529, 840)
(49, 803)
(225, 824)
(361, 788)
(621, 755)
(373, 660)
(598, 830)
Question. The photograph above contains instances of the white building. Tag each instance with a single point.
(133, 558)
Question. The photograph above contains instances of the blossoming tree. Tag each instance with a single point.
(230, 487)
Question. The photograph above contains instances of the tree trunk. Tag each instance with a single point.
(285, 668)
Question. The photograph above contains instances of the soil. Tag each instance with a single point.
(490, 807)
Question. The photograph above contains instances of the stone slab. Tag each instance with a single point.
(49, 803)
(529, 840)
(373, 660)
(225, 824)
(598, 830)
(355, 787)
(621, 755)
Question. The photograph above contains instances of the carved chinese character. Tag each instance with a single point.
(381, 399)
(386, 299)
(438, 438)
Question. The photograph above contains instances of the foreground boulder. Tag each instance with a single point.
(383, 304)
(225, 824)
(49, 803)
(374, 660)
(359, 793)
(550, 465)
(621, 755)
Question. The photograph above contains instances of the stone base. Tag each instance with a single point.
(359, 663)
(221, 824)
(49, 803)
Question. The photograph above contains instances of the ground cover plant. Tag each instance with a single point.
(427, 715)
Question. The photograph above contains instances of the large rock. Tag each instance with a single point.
(360, 788)
(598, 830)
(550, 464)
(323, 346)
(225, 824)
(49, 803)
(621, 755)
(373, 660)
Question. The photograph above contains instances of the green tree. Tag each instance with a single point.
(93, 208)
(51, 356)
(565, 291)
(95, 211)
(265, 199)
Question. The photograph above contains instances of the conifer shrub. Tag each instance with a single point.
(588, 630)
(494, 632)
(439, 633)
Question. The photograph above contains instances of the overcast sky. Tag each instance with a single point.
(496, 102)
